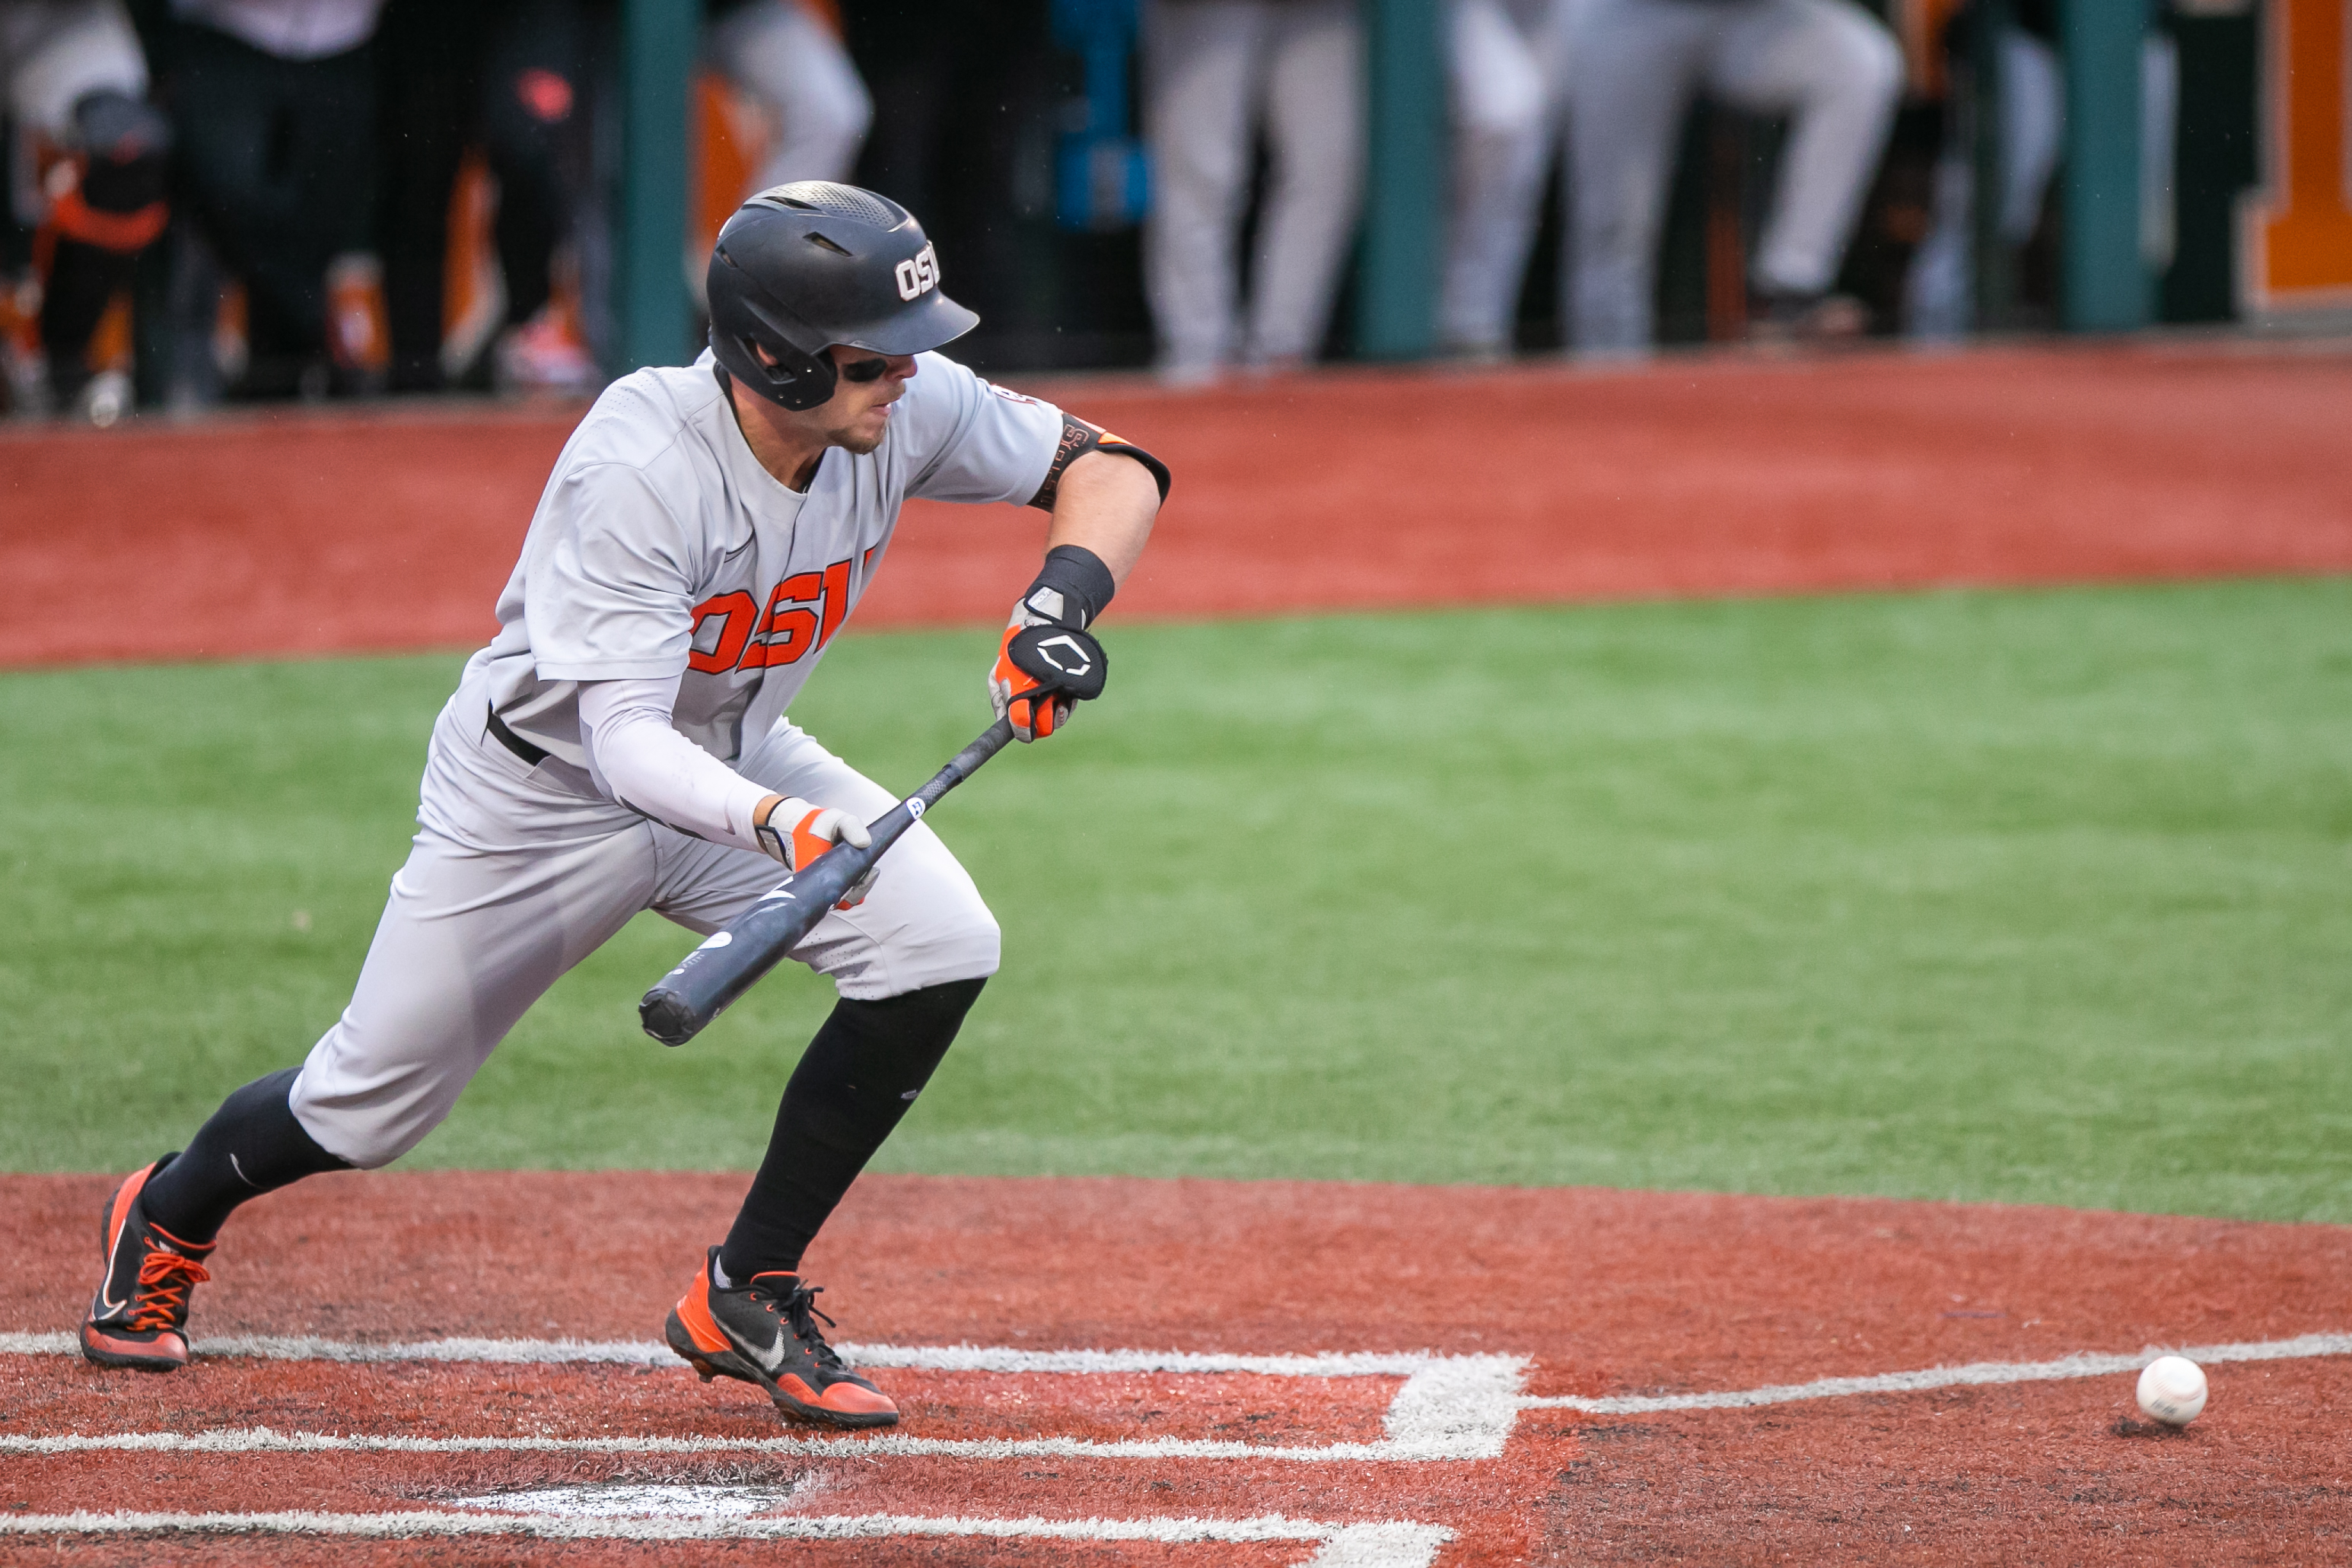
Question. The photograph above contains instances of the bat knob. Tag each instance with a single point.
(668, 1017)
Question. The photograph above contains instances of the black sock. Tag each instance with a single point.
(858, 1076)
(253, 1145)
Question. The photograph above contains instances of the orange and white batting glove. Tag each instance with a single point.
(1046, 661)
(794, 832)
(1041, 673)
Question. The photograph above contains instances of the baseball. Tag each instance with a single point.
(2172, 1390)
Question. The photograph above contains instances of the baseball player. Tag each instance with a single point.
(788, 57)
(1214, 70)
(623, 744)
(75, 86)
(1506, 59)
(1632, 67)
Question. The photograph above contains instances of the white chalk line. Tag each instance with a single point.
(1447, 1408)
(652, 1352)
(625, 1500)
(1378, 1544)
(264, 1440)
(2086, 1365)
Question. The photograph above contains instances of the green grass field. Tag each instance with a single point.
(2024, 896)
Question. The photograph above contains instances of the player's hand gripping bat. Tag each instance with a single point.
(726, 964)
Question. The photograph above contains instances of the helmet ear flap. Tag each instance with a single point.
(796, 380)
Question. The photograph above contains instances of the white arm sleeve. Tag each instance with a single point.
(637, 759)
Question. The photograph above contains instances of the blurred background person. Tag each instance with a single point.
(93, 159)
(1632, 68)
(1507, 58)
(274, 103)
(786, 56)
(506, 79)
(2029, 107)
(1216, 72)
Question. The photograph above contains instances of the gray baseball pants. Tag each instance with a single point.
(1215, 69)
(514, 878)
(1632, 68)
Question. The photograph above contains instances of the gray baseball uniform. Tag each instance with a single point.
(661, 552)
(795, 65)
(1213, 71)
(1507, 58)
(1632, 65)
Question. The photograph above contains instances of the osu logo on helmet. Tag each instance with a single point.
(919, 273)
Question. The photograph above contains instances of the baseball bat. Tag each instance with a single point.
(726, 964)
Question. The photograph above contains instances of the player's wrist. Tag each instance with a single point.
(773, 825)
(1072, 589)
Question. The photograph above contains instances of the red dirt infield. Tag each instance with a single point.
(1354, 1377)
(1580, 1293)
(377, 529)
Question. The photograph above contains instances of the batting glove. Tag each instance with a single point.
(1041, 671)
(1046, 661)
(813, 830)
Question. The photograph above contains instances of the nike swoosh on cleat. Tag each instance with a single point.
(105, 1301)
(766, 1360)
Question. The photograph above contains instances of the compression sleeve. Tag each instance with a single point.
(640, 760)
(1078, 438)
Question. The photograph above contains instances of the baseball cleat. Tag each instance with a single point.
(765, 1331)
(139, 1318)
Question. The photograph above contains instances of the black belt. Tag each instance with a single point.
(532, 755)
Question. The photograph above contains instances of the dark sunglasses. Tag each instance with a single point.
(864, 369)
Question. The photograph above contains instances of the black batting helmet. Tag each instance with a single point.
(802, 266)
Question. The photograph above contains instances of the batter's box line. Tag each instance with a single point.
(1974, 1374)
(653, 1352)
(1379, 1544)
(1448, 1406)
(1457, 1420)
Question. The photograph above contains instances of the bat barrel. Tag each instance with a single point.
(669, 1014)
(728, 964)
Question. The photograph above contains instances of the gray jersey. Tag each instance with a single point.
(661, 546)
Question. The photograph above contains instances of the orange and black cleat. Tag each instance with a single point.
(764, 1331)
(139, 1318)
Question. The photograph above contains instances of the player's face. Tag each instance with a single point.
(858, 413)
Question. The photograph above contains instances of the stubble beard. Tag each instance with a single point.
(851, 441)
